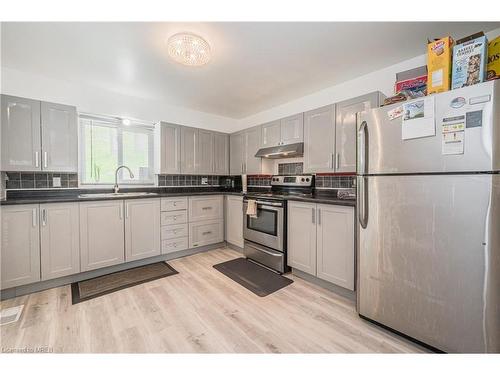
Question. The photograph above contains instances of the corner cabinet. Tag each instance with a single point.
(321, 241)
(38, 136)
(319, 140)
(142, 228)
(101, 234)
(20, 245)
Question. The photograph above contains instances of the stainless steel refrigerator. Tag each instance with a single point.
(429, 221)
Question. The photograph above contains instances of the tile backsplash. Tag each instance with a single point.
(189, 180)
(259, 181)
(334, 182)
(290, 168)
(39, 180)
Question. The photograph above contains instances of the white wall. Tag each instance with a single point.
(380, 80)
(97, 100)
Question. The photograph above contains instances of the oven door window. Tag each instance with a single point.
(265, 222)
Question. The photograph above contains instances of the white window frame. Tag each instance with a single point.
(116, 122)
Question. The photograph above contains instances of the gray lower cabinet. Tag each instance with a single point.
(236, 143)
(302, 236)
(319, 140)
(205, 152)
(234, 220)
(346, 125)
(102, 236)
(20, 134)
(335, 245)
(169, 153)
(20, 245)
(206, 232)
(59, 138)
(321, 241)
(189, 146)
(142, 228)
(221, 154)
(208, 207)
(60, 239)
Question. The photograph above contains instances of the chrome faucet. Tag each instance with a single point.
(116, 176)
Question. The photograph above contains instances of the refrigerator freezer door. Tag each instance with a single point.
(429, 259)
(388, 153)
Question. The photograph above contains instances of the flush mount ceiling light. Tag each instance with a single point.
(188, 49)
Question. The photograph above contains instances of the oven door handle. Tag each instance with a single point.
(266, 203)
(274, 254)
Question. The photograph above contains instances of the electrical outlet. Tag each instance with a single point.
(204, 180)
(56, 181)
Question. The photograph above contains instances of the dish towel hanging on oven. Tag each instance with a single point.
(252, 208)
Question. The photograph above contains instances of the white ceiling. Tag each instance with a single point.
(255, 66)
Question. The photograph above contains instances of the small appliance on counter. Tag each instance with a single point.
(264, 230)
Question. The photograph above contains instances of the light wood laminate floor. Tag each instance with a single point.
(198, 310)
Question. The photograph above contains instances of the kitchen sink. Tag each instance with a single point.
(116, 195)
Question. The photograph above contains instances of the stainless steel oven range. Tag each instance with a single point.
(265, 233)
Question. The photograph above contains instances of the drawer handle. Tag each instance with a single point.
(206, 208)
(205, 233)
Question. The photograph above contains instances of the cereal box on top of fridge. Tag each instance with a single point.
(469, 61)
(493, 59)
(439, 65)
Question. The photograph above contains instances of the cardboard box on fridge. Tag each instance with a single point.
(439, 65)
(493, 68)
(469, 61)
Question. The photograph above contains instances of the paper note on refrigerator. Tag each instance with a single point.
(418, 119)
(453, 138)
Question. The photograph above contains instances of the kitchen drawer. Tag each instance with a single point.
(206, 233)
(174, 231)
(173, 245)
(174, 204)
(174, 217)
(206, 208)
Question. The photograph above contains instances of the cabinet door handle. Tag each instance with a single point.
(33, 217)
(205, 233)
(126, 211)
(337, 161)
(44, 216)
(37, 162)
(330, 162)
(319, 216)
(313, 216)
(121, 211)
(207, 208)
(45, 159)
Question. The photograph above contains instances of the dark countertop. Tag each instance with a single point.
(60, 196)
(46, 196)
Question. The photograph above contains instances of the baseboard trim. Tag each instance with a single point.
(234, 247)
(349, 294)
(66, 280)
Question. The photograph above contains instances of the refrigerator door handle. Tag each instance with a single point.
(362, 149)
(362, 203)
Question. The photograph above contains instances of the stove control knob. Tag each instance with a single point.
(307, 179)
(302, 179)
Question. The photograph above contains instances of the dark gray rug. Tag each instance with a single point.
(99, 286)
(255, 278)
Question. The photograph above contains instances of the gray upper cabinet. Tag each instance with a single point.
(38, 136)
(142, 228)
(60, 239)
(346, 126)
(271, 134)
(205, 152)
(101, 234)
(251, 164)
(189, 145)
(236, 153)
(292, 129)
(20, 245)
(21, 134)
(319, 140)
(221, 154)
(59, 138)
(170, 148)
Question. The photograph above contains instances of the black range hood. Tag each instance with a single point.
(293, 150)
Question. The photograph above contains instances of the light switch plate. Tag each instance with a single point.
(56, 181)
(204, 180)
